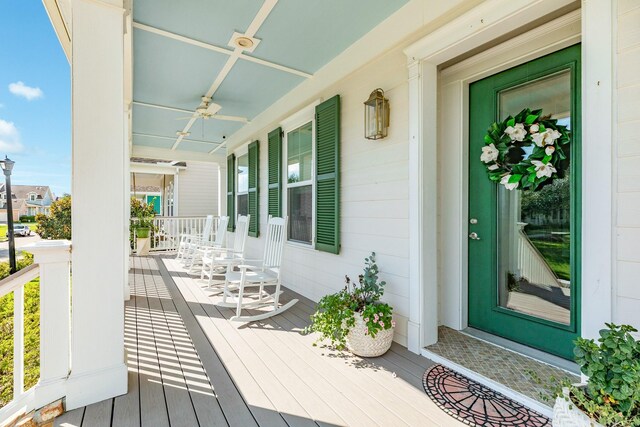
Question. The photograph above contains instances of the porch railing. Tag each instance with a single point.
(167, 230)
(52, 265)
(531, 263)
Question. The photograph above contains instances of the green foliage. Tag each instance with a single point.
(31, 333)
(335, 315)
(142, 212)
(613, 367)
(27, 218)
(57, 224)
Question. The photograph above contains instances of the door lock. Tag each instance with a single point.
(474, 236)
(473, 221)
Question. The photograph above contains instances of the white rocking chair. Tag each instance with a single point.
(267, 274)
(187, 238)
(195, 248)
(219, 261)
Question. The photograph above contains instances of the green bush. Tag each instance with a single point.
(31, 333)
(56, 225)
(27, 218)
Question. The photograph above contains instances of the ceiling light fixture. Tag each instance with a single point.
(244, 42)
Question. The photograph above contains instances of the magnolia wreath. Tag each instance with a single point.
(525, 151)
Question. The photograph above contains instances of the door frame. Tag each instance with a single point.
(438, 219)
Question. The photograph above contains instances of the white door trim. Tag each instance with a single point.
(489, 21)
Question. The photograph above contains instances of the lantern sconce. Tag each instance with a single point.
(376, 115)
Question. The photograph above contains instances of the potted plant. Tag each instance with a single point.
(355, 318)
(142, 215)
(611, 396)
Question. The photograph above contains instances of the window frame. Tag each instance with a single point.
(301, 118)
(240, 152)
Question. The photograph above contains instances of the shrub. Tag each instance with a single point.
(56, 225)
(27, 218)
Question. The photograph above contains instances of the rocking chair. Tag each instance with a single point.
(195, 247)
(187, 238)
(267, 274)
(219, 261)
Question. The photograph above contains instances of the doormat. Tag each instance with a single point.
(474, 404)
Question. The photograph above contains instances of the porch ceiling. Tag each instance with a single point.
(181, 53)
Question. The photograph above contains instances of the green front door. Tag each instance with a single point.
(524, 246)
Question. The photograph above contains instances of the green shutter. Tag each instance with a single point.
(254, 194)
(328, 176)
(231, 192)
(275, 172)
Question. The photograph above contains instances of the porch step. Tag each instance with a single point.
(498, 364)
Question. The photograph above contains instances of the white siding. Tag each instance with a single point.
(374, 194)
(197, 188)
(627, 235)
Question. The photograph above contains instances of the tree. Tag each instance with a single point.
(57, 224)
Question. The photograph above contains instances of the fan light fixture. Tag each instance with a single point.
(183, 134)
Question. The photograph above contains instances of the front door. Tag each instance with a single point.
(524, 246)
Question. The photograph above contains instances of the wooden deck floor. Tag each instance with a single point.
(190, 366)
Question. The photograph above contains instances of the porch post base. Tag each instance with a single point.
(413, 337)
(46, 392)
(90, 387)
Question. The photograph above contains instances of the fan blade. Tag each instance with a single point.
(230, 118)
(187, 118)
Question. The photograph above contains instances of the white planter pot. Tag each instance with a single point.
(363, 345)
(567, 414)
(142, 246)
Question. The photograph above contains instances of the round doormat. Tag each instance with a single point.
(474, 404)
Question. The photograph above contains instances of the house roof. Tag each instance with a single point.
(22, 191)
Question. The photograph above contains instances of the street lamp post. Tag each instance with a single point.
(7, 166)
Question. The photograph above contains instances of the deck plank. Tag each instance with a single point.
(179, 406)
(235, 409)
(153, 407)
(72, 418)
(206, 405)
(98, 414)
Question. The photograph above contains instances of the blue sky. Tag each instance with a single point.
(35, 97)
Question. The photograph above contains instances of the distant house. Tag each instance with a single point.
(27, 200)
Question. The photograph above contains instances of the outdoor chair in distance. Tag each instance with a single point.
(219, 261)
(187, 238)
(193, 254)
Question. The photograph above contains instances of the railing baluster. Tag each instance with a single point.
(18, 342)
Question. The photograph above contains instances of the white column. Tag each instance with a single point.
(100, 230)
(54, 257)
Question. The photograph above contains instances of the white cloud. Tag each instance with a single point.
(27, 92)
(9, 138)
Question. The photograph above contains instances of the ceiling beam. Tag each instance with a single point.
(257, 21)
(219, 49)
(175, 155)
(171, 138)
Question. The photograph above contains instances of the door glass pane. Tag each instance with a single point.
(534, 227)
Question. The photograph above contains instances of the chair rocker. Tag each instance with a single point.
(219, 261)
(187, 238)
(195, 249)
(266, 274)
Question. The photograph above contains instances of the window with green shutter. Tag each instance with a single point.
(275, 172)
(231, 186)
(328, 175)
(254, 195)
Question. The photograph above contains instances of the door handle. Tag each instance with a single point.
(474, 236)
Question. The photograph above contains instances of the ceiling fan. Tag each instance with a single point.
(209, 110)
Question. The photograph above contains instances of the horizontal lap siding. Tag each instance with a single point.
(374, 194)
(627, 302)
(198, 189)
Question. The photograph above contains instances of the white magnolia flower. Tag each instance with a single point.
(548, 137)
(516, 132)
(489, 153)
(509, 185)
(534, 128)
(493, 167)
(549, 150)
(543, 169)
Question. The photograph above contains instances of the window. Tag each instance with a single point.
(32, 196)
(299, 184)
(242, 190)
